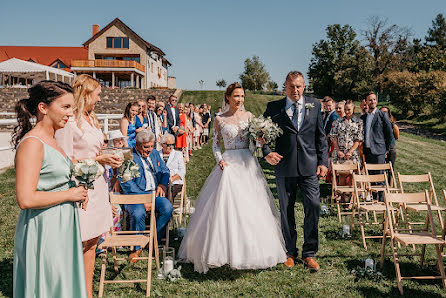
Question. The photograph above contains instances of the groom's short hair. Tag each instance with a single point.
(293, 74)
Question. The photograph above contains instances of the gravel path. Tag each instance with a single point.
(413, 129)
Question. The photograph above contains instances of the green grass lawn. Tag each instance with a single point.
(336, 256)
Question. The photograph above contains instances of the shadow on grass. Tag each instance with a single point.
(224, 273)
(6, 280)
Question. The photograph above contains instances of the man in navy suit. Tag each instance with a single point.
(301, 156)
(378, 134)
(330, 114)
(173, 115)
(154, 177)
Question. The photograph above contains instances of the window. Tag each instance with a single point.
(109, 42)
(118, 42)
(125, 42)
(59, 64)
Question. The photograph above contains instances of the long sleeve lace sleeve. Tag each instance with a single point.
(216, 148)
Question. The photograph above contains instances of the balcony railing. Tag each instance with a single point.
(108, 63)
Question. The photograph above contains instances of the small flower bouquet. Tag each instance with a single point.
(86, 172)
(128, 170)
(261, 128)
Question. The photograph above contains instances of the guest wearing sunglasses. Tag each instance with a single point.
(175, 162)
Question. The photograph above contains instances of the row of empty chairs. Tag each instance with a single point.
(400, 202)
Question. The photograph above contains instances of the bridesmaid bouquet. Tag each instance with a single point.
(128, 170)
(86, 171)
(261, 128)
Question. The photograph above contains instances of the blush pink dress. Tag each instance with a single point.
(82, 144)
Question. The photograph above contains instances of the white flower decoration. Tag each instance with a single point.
(309, 105)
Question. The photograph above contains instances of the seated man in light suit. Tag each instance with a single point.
(154, 176)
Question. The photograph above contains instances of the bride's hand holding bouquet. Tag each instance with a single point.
(261, 131)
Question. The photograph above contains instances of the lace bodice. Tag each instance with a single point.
(231, 130)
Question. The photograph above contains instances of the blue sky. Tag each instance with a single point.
(208, 40)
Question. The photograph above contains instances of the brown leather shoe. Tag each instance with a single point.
(289, 263)
(311, 263)
(134, 255)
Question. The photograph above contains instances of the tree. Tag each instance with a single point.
(221, 83)
(271, 85)
(255, 76)
(201, 82)
(436, 35)
(340, 66)
(387, 45)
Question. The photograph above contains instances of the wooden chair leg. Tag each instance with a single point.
(440, 265)
(149, 263)
(383, 244)
(157, 256)
(115, 262)
(101, 282)
(423, 252)
(397, 267)
(361, 224)
(339, 210)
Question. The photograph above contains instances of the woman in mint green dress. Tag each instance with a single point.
(48, 258)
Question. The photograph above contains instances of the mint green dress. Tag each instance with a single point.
(48, 257)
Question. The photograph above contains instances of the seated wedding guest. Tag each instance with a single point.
(181, 143)
(128, 123)
(175, 162)
(391, 155)
(48, 260)
(154, 177)
(346, 135)
(340, 108)
(141, 118)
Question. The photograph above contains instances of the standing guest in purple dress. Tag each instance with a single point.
(81, 138)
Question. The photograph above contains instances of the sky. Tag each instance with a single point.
(209, 40)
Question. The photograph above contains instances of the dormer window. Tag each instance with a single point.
(117, 43)
(59, 64)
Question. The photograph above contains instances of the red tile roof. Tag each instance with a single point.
(43, 55)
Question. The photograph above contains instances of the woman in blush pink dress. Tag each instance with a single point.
(81, 138)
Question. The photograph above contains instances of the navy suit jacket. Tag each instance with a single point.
(333, 116)
(138, 185)
(304, 150)
(381, 133)
(170, 121)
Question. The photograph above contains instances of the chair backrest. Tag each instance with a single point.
(132, 199)
(382, 167)
(362, 183)
(406, 198)
(337, 167)
(423, 178)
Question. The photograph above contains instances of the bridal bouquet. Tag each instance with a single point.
(86, 172)
(128, 170)
(261, 128)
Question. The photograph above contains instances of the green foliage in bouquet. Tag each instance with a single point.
(261, 128)
(86, 172)
(128, 170)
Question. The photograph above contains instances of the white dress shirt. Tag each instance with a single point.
(172, 109)
(150, 179)
(300, 112)
(368, 125)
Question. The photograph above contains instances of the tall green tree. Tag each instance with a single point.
(340, 66)
(436, 35)
(387, 44)
(254, 77)
(271, 85)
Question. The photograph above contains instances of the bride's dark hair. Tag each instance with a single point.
(231, 89)
(26, 109)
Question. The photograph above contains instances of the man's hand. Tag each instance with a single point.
(322, 171)
(175, 129)
(161, 191)
(273, 158)
(147, 207)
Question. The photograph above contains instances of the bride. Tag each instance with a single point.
(235, 220)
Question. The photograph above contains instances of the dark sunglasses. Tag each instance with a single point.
(170, 145)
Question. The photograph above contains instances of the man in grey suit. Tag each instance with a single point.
(378, 135)
(301, 156)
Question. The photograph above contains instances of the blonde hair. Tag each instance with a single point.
(83, 86)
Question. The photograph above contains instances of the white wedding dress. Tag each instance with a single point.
(236, 221)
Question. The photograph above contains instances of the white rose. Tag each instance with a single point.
(126, 177)
(90, 162)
